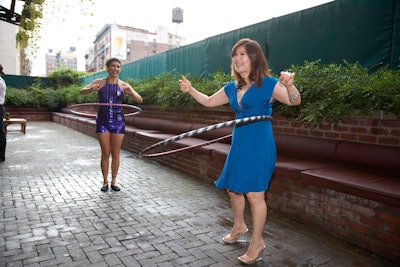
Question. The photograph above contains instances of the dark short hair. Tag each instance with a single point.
(111, 60)
(1, 70)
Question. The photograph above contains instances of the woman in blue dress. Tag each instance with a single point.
(251, 160)
(110, 123)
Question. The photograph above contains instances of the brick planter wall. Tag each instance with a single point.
(366, 223)
(380, 129)
(30, 114)
(370, 224)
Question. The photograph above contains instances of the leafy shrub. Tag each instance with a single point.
(52, 98)
(385, 91)
(65, 77)
(332, 92)
(70, 95)
(19, 98)
(164, 90)
(169, 95)
(147, 88)
(329, 92)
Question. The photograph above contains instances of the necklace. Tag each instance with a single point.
(111, 81)
(241, 91)
(239, 94)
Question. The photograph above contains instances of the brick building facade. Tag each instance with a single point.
(128, 44)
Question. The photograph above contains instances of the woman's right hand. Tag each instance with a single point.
(185, 85)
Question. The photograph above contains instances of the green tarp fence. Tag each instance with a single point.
(363, 31)
(18, 81)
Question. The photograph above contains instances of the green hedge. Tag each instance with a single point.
(330, 92)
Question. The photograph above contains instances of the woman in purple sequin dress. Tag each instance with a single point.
(110, 123)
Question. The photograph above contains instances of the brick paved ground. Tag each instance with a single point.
(53, 213)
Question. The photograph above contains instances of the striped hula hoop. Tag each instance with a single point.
(238, 122)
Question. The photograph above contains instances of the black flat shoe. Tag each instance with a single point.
(115, 188)
(105, 188)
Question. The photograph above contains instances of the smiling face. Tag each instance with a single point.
(241, 61)
(114, 68)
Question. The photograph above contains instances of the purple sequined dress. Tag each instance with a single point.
(110, 118)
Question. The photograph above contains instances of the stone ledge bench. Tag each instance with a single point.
(349, 189)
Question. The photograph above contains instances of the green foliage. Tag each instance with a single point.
(329, 92)
(32, 97)
(50, 98)
(164, 90)
(332, 92)
(149, 88)
(29, 21)
(65, 77)
(216, 82)
(19, 98)
(385, 91)
(47, 98)
(169, 95)
(70, 95)
(29, 26)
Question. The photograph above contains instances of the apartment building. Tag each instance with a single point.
(61, 60)
(128, 44)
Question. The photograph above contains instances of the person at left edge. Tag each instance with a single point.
(3, 88)
(110, 122)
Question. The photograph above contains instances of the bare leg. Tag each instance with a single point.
(238, 204)
(116, 142)
(105, 145)
(259, 214)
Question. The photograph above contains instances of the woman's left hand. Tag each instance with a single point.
(126, 89)
(286, 78)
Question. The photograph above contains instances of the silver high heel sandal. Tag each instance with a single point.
(236, 239)
(258, 258)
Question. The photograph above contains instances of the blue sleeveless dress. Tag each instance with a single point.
(252, 156)
(110, 118)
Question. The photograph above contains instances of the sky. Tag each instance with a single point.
(75, 23)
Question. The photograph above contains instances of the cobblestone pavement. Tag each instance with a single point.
(54, 214)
